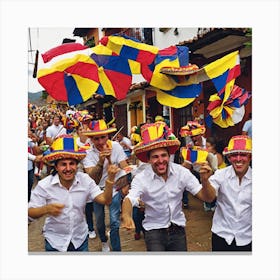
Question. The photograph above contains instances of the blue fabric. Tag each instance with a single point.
(114, 214)
(89, 217)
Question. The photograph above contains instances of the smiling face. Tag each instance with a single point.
(66, 169)
(159, 159)
(240, 163)
(99, 141)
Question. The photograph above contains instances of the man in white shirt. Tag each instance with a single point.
(102, 153)
(232, 220)
(160, 187)
(63, 196)
(55, 130)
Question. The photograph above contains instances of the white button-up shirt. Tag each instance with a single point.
(71, 224)
(92, 158)
(163, 199)
(233, 215)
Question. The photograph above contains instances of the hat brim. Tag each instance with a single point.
(100, 132)
(228, 153)
(194, 132)
(64, 155)
(178, 71)
(142, 150)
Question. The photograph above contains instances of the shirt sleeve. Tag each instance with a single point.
(190, 182)
(89, 161)
(135, 191)
(38, 197)
(216, 179)
(119, 150)
(93, 188)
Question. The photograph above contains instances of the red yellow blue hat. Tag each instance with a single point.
(192, 128)
(239, 144)
(64, 147)
(154, 136)
(98, 127)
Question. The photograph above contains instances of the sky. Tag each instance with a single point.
(44, 39)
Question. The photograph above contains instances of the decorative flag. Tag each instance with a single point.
(194, 154)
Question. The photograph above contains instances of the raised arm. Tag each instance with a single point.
(207, 193)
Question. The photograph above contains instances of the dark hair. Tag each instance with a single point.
(149, 152)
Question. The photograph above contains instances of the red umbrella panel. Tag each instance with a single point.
(74, 80)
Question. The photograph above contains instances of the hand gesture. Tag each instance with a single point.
(105, 153)
(55, 209)
(112, 171)
(205, 171)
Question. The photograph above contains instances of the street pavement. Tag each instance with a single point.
(198, 230)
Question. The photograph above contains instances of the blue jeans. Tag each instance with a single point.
(138, 216)
(71, 248)
(185, 197)
(89, 217)
(114, 213)
(30, 182)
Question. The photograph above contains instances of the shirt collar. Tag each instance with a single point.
(248, 174)
(170, 171)
(55, 180)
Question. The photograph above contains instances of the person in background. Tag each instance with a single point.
(232, 220)
(247, 127)
(125, 143)
(194, 131)
(84, 142)
(103, 152)
(55, 130)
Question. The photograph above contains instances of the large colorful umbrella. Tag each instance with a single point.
(84, 73)
(73, 79)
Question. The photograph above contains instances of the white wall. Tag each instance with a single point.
(166, 39)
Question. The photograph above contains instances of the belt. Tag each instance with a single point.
(173, 228)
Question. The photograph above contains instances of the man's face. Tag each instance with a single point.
(99, 141)
(197, 140)
(66, 169)
(56, 121)
(159, 159)
(240, 162)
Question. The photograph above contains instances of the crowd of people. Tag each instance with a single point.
(78, 165)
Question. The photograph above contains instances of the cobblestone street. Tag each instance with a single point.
(198, 232)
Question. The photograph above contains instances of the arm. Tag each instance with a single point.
(53, 209)
(106, 196)
(207, 193)
(126, 216)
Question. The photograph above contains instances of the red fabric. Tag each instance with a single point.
(64, 48)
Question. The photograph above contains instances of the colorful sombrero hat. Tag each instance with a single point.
(239, 144)
(64, 147)
(70, 123)
(154, 136)
(98, 127)
(183, 70)
(192, 128)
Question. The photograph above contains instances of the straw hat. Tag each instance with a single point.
(98, 127)
(239, 144)
(192, 128)
(64, 147)
(154, 136)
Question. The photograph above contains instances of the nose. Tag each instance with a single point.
(68, 167)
